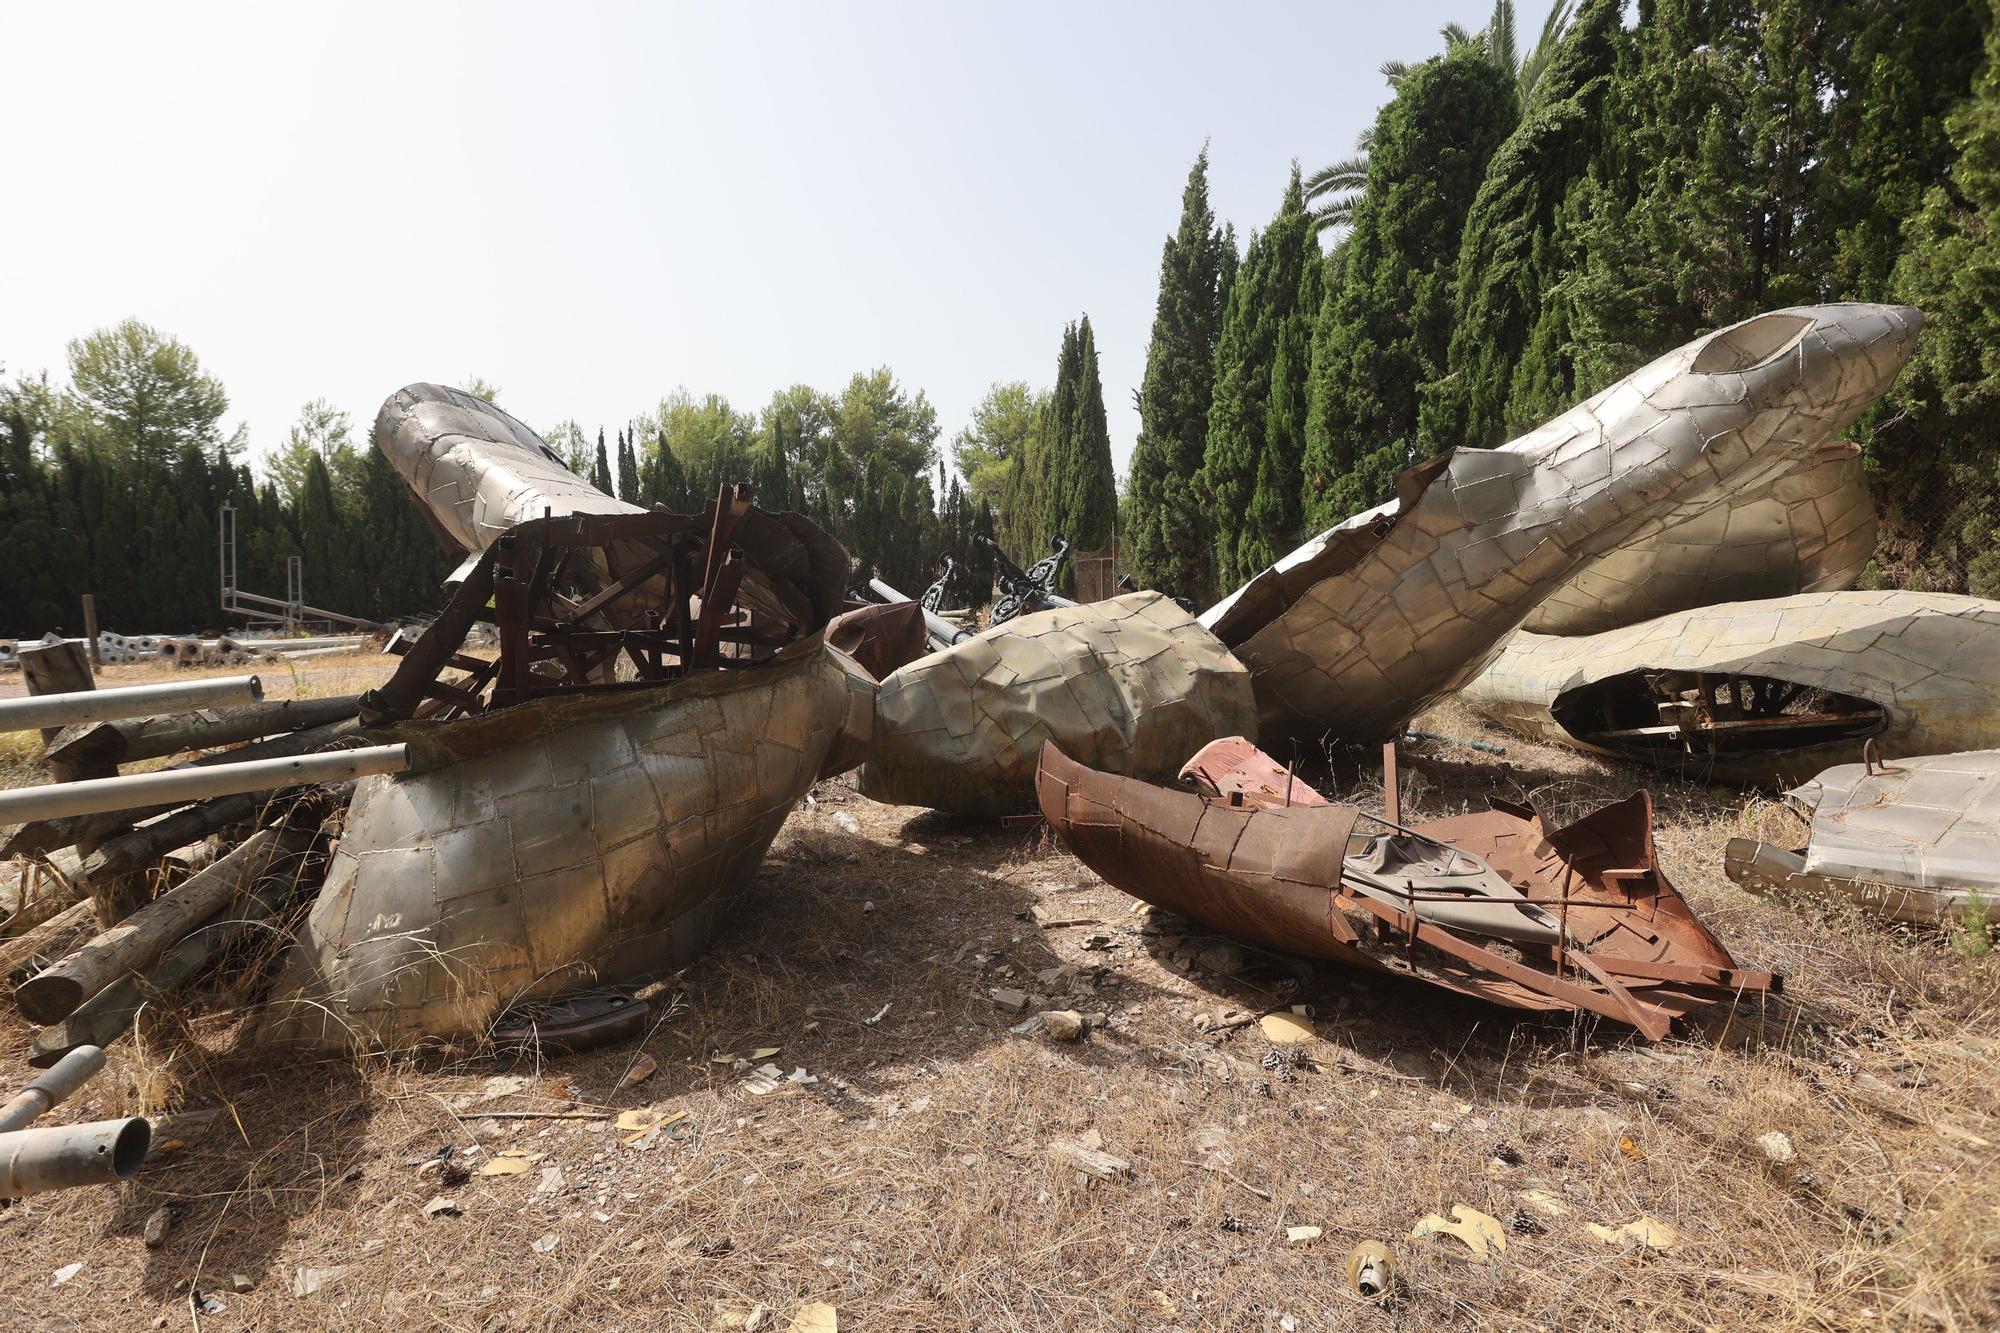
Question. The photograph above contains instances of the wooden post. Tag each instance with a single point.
(90, 630)
(55, 668)
(1392, 785)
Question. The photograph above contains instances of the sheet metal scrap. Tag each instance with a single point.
(881, 636)
(562, 828)
(1811, 530)
(1364, 626)
(1917, 841)
(1762, 691)
(1132, 683)
(1496, 905)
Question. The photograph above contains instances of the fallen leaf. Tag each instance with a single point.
(306, 1281)
(65, 1273)
(815, 1317)
(441, 1206)
(1285, 1029)
(637, 1124)
(171, 1145)
(642, 1069)
(765, 1052)
(1631, 1149)
(506, 1164)
(1545, 1203)
(545, 1243)
(1479, 1231)
(1162, 1304)
(1647, 1231)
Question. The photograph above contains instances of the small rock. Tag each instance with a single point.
(65, 1273)
(846, 821)
(1220, 957)
(158, 1223)
(642, 1069)
(1007, 998)
(1777, 1147)
(1302, 1235)
(1062, 1024)
(306, 1281)
(441, 1206)
(545, 1243)
(240, 1283)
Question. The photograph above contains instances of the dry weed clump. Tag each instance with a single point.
(912, 1185)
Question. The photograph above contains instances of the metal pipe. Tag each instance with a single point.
(173, 786)
(60, 710)
(942, 632)
(60, 1157)
(65, 1077)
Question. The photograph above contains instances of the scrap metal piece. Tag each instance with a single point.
(1024, 592)
(1762, 691)
(881, 636)
(1496, 905)
(1373, 620)
(1811, 530)
(1915, 841)
(1133, 684)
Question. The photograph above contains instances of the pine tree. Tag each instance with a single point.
(1509, 235)
(1386, 323)
(1166, 522)
(600, 467)
(1263, 304)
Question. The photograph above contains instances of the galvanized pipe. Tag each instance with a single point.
(60, 710)
(942, 632)
(68, 1074)
(174, 786)
(60, 1157)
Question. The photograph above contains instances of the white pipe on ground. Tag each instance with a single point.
(177, 785)
(60, 710)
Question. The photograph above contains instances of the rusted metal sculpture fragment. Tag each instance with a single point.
(1811, 530)
(1024, 592)
(881, 636)
(1361, 628)
(564, 827)
(1133, 684)
(1496, 905)
(1916, 841)
(1763, 691)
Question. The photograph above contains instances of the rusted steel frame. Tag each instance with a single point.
(626, 585)
(423, 660)
(718, 599)
(732, 502)
(510, 614)
(457, 661)
(1691, 974)
(1655, 1023)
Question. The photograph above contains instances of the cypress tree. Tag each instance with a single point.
(1166, 524)
(628, 469)
(1508, 237)
(1385, 325)
(600, 467)
(1089, 510)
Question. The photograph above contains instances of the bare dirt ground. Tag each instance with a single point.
(912, 1187)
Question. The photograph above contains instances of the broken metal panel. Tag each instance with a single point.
(1770, 690)
(1370, 622)
(1133, 684)
(1916, 841)
(1496, 905)
(475, 470)
(1811, 530)
(558, 844)
(881, 637)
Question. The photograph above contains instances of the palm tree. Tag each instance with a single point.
(1334, 190)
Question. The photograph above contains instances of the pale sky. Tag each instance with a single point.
(589, 205)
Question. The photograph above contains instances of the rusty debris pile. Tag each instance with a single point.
(572, 770)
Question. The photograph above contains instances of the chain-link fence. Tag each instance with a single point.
(1941, 537)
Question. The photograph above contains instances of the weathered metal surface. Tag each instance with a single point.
(1370, 622)
(1133, 684)
(59, 1157)
(942, 632)
(76, 1068)
(554, 845)
(1816, 675)
(475, 470)
(1917, 840)
(882, 637)
(1496, 905)
(1811, 530)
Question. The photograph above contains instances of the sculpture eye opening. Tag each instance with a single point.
(1751, 344)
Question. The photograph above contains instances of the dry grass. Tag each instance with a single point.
(911, 1187)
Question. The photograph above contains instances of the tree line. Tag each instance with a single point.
(112, 483)
(1519, 229)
